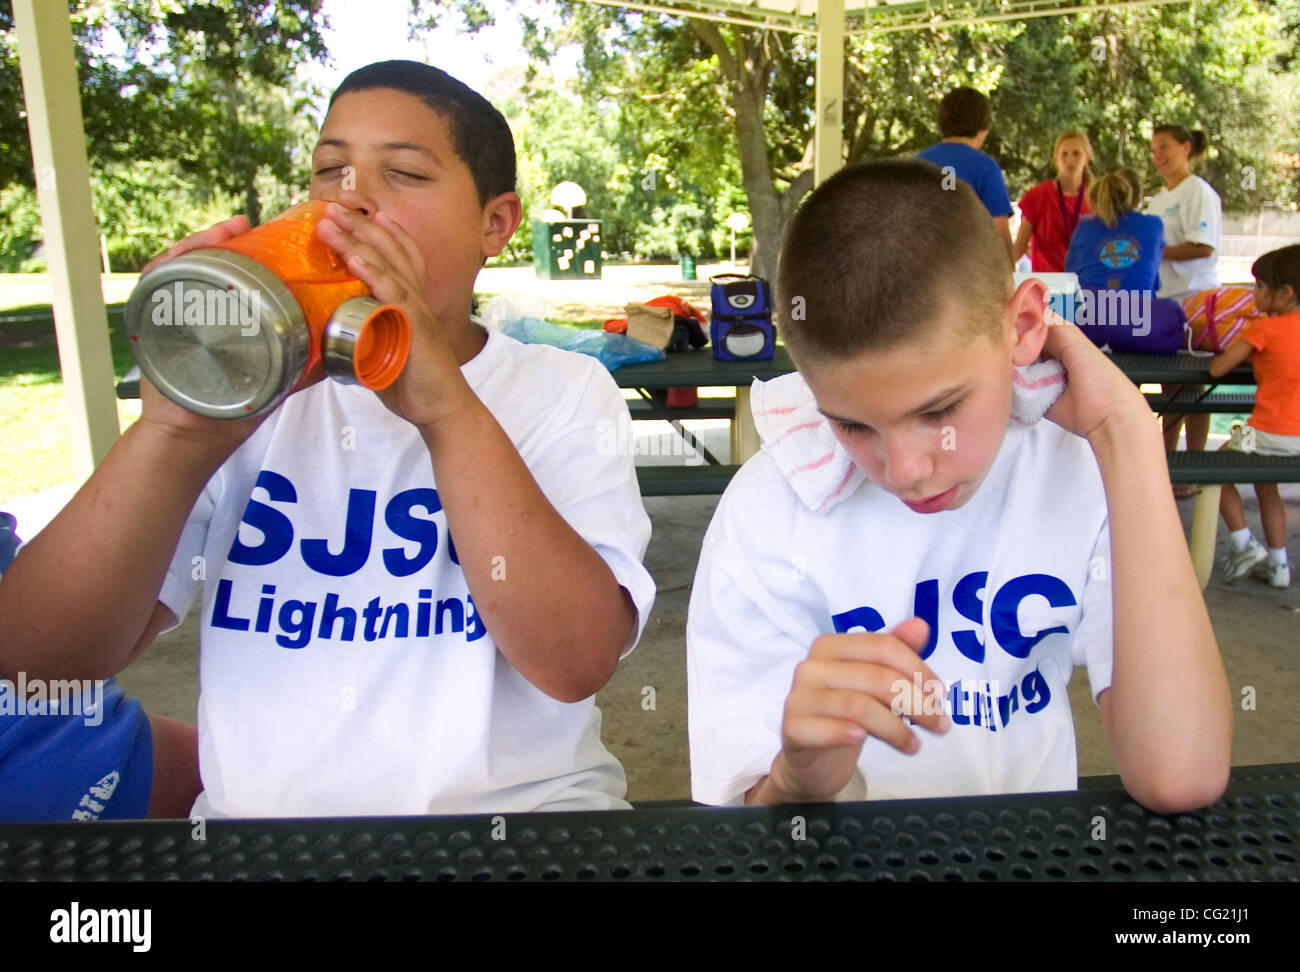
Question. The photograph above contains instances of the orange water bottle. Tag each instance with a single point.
(230, 330)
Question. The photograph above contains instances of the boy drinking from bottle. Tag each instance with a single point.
(408, 598)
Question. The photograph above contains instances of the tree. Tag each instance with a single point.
(1117, 73)
(206, 85)
(704, 90)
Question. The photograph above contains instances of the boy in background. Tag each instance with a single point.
(910, 542)
(408, 598)
(1272, 346)
(965, 117)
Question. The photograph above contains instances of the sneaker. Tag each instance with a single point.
(1238, 565)
(1277, 575)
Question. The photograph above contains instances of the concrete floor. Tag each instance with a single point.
(1258, 630)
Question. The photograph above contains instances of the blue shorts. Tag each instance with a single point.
(86, 763)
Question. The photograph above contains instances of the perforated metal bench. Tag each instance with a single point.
(1252, 833)
(1217, 468)
(1191, 403)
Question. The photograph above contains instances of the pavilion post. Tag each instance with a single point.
(53, 100)
(829, 146)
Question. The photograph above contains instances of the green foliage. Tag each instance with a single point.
(204, 85)
(628, 165)
(20, 228)
(144, 208)
(1223, 67)
(894, 83)
(677, 228)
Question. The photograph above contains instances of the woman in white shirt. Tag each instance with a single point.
(1192, 213)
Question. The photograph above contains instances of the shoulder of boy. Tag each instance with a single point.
(759, 481)
(759, 504)
(1062, 443)
(545, 371)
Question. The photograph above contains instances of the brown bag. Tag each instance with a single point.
(653, 325)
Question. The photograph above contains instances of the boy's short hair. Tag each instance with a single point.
(964, 113)
(878, 252)
(1279, 268)
(480, 135)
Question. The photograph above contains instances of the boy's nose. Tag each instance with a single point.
(357, 202)
(907, 463)
(354, 193)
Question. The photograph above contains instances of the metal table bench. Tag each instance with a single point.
(1252, 833)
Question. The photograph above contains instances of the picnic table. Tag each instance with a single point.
(1251, 833)
(1210, 470)
(699, 368)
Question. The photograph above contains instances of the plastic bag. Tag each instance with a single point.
(512, 317)
(612, 350)
(504, 308)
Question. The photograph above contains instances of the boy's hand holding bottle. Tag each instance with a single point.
(160, 414)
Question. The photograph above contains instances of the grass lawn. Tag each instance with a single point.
(35, 443)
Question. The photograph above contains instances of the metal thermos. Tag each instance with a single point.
(228, 331)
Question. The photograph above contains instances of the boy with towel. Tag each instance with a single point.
(914, 547)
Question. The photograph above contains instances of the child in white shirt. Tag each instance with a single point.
(408, 598)
(901, 549)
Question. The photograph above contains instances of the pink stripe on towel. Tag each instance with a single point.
(1038, 383)
(815, 464)
(798, 428)
(834, 494)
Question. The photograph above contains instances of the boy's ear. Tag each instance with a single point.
(1027, 321)
(501, 218)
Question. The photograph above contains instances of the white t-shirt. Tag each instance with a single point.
(1017, 580)
(1192, 213)
(344, 669)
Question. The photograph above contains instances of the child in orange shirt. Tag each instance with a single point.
(1272, 345)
